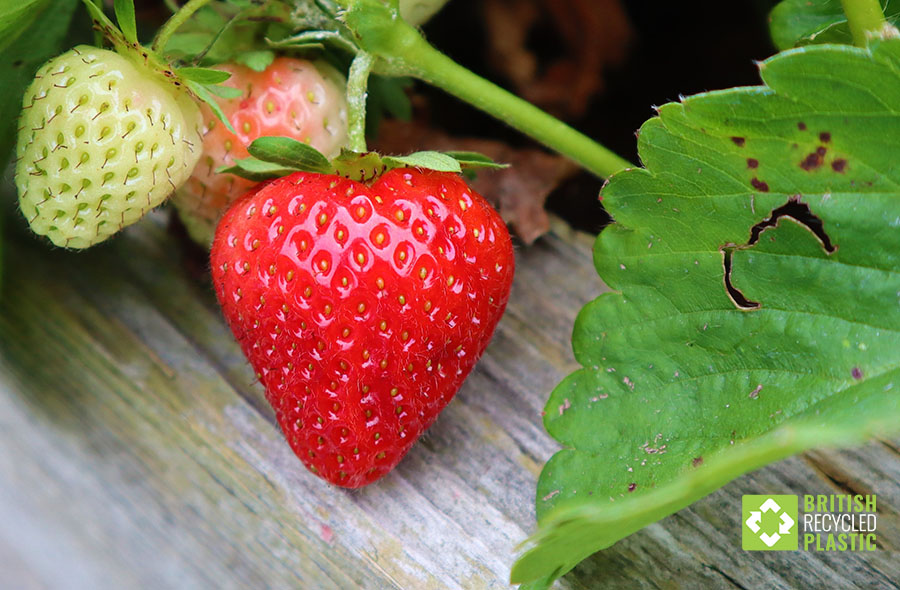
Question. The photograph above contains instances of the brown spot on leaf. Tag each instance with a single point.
(825, 137)
(632, 486)
(839, 165)
(739, 141)
(814, 160)
(759, 185)
(857, 374)
(697, 461)
(752, 163)
(801, 126)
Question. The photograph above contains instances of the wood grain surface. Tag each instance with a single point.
(136, 451)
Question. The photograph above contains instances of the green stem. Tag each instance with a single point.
(432, 66)
(401, 51)
(357, 85)
(178, 19)
(865, 18)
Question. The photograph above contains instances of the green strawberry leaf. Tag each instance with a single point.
(41, 40)
(290, 153)
(256, 60)
(802, 22)
(125, 17)
(754, 267)
(16, 17)
(205, 76)
(428, 159)
(255, 170)
(203, 93)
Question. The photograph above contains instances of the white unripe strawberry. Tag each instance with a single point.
(102, 140)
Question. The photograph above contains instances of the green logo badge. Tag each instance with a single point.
(769, 523)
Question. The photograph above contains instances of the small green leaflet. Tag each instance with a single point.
(802, 22)
(125, 17)
(290, 153)
(755, 269)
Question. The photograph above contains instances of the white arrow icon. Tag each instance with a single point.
(784, 527)
(786, 523)
(770, 505)
(753, 521)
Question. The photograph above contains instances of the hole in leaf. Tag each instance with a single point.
(794, 209)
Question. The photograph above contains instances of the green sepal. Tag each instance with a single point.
(205, 76)
(427, 159)
(226, 92)
(475, 160)
(202, 92)
(125, 17)
(255, 170)
(290, 153)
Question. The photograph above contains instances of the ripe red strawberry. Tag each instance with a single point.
(291, 98)
(361, 308)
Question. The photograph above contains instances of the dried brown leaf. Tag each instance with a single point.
(595, 34)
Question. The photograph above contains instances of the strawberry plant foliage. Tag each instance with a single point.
(755, 271)
(803, 22)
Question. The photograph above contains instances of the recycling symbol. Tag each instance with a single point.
(784, 527)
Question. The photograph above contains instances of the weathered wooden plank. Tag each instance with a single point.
(136, 451)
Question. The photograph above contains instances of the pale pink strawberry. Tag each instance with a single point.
(292, 98)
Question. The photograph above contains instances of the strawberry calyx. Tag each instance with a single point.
(199, 83)
(274, 157)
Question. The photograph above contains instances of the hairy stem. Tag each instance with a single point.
(865, 18)
(357, 85)
(178, 19)
(428, 64)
